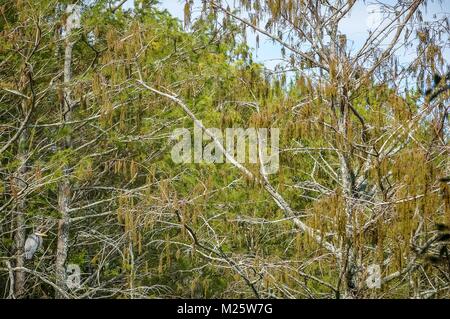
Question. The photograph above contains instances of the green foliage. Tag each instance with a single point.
(142, 226)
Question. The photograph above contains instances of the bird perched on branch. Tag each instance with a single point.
(440, 255)
(440, 85)
(32, 244)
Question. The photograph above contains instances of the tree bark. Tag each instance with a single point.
(64, 193)
(19, 222)
(19, 236)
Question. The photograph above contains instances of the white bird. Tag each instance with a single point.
(32, 244)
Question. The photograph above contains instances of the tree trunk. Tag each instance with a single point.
(349, 265)
(19, 224)
(19, 241)
(347, 179)
(64, 193)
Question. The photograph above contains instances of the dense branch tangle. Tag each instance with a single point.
(341, 78)
(85, 141)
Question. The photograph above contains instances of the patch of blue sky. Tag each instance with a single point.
(363, 19)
